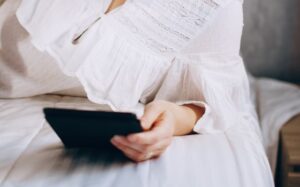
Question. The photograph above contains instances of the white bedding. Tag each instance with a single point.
(276, 103)
(32, 155)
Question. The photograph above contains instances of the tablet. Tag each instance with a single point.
(90, 129)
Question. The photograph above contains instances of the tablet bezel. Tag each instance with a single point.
(83, 128)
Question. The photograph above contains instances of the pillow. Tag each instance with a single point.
(25, 71)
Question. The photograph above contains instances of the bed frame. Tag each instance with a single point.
(288, 165)
(1, 1)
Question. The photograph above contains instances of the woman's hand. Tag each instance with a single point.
(160, 122)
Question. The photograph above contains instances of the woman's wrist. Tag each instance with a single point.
(186, 117)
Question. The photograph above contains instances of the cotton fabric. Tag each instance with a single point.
(136, 54)
(33, 156)
(24, 70)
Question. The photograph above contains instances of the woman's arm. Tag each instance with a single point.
(187, 116)
(161, 121)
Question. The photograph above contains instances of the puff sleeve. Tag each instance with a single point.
(216, 82)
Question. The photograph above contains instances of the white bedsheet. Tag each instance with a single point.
(276, 103)
(32, 155)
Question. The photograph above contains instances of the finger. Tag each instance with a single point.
(158, 147)
(124, 148)
(124, 141)
(130, 153)
(156, 150)
(157, 154)
(159, 131)
(161, 145)
(151, 114)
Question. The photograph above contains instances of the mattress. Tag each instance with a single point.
(32, 155)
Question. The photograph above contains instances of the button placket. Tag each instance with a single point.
(77, 37)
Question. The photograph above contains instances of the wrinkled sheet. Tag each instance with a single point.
(32, 155)
(276, 103)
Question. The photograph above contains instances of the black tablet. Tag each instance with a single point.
(90, 129)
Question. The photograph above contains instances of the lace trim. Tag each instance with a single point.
(171, 30)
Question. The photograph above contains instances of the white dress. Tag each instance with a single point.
(183, 51)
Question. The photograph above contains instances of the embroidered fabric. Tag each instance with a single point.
(170, 31)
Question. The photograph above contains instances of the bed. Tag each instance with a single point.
(32, 155)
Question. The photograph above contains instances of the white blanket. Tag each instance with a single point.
(32, 155)
(276, 103)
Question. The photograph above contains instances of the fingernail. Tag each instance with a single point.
(117, 138)
(112, 141)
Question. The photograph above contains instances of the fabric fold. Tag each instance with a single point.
(46, 21)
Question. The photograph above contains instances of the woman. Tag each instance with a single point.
(164, 120)
(174, 63)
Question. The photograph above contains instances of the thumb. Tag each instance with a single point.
(151, 115)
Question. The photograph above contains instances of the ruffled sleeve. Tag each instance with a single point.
(46, 20)
(217, 82)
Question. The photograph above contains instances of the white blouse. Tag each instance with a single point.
(182, 51)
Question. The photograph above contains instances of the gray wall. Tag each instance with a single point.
(271, 39)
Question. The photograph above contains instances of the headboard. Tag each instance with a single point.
(271, 39)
